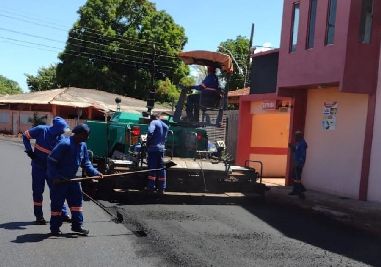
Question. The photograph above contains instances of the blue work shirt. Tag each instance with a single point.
(46, 140)
(156, 136)
(300, 151)
(66, 157)
(210, 81)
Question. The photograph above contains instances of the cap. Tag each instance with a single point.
(81, 128)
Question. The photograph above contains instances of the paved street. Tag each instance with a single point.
(174, 231)
(24, 244)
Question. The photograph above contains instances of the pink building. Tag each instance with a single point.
(328, 66)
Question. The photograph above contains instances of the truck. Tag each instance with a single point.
(118, 145)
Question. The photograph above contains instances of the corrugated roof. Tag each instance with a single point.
(79, 97)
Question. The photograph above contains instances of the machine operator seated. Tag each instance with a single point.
(208, 93)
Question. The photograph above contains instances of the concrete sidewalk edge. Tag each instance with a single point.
(361, 215)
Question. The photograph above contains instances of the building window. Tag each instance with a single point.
(366, 21)
(4, 117)
(311, 24)
(294, 27)
(331, 22)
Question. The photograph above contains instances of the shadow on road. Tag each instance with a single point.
(316, 230)
(16, 225)
(31, 238)
(320, 231)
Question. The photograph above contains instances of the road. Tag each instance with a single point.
(193, 231)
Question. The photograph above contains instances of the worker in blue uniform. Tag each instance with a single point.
(299, 151)
(156, 137)
(208, 90)
(46, 138)
(63, 163)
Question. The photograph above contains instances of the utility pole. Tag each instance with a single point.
(248, 66)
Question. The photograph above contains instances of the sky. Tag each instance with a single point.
(32, 33)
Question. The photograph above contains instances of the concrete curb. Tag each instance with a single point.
(361, 215)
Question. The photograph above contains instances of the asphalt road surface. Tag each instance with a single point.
(185, 231)
(202, 231)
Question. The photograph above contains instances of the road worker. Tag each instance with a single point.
(299, 151)
(63, 163)
(208, 90)
(46, 138)
(156, 137)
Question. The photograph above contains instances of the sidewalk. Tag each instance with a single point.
(363, 215)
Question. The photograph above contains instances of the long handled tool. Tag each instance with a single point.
(117, 219)
(62, 181)
(105, 176)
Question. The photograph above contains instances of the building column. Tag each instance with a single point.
(244, 132)
(367, 151)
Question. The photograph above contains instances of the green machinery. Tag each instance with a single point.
(118, 145)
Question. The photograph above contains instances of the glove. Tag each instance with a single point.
(30, 154)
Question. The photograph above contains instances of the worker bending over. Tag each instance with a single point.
(63, 163)
(46, 138)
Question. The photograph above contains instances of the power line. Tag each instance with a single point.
(75, 55)
(87, 47)
(82, 40)
(95, 32)
(135, 63)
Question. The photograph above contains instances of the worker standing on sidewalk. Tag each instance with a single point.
(156, 137)
(63, 163)
(299, 151)
(46, 138)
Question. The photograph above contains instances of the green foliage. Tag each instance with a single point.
(44, 80)
(188, 81)
(239, 48)
(38, 120)
(112, 45)
(167, 92)
(8, 86)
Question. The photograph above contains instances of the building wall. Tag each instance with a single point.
(334, 158)
(264, 70)
(374, 182)
(321, 64)
(263, 134)
(361, 66)
(14, 122)
(347, 62)
(270, 133)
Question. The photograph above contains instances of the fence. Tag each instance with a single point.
(227, 132)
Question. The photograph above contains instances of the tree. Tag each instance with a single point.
(239, 48)
(167, 92)
(8, 86)
(44, 80)
(114, 45)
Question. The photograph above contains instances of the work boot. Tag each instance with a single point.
(40, 221)
(56, 233)
(66, 218)
(80, 231)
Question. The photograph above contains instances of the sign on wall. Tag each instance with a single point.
(329, 116)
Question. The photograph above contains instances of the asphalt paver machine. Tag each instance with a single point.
(118, 146)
